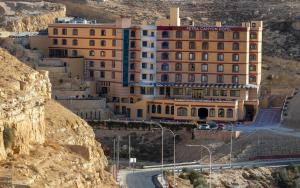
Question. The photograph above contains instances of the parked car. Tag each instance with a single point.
(221, 126)
(204, 127)
(212, 125)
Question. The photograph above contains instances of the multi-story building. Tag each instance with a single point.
(166, 70)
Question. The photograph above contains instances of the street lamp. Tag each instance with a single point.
(209, 159)
(162, 150)
(230, 159)
(174, 151)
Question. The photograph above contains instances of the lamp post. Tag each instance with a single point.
(230, 159)
(162, 150)
(174, 156)
(209, 160)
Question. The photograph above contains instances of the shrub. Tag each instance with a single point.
(7, 136)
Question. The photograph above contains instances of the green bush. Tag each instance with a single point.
(7, 137)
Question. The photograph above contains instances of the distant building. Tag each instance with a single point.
(167, 70)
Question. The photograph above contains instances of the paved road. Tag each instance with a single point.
(144, 177)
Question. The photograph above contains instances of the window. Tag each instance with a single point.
(161, 90)
(165, 56)
(236, 35)
(191, 77)
(91, 74)
(235, 79)
(192, 45)
(216, 92)
(165, 67)
(75, 42)
(152, 34)
(252, 57)
(144, 65)
(192, 67)
(205, 35)
(253, 46)
(132, 66)
(92, 32)
(132, 90)
(204, 67)
(144, 76)
(178, 56)
(114, 42)
(102, 64)
(229, 113)
(178, 91)
(235, 57)
(193, 112)
(139, 113)
(145, 32)
(212, 112)
(167, 110)
(178, 77)
(151, 77)
(204, 78)
(113, 53)
(114, 32)
(54, 41)
(152, 55)
(132, 44)
(165, 45)
(221, 112)
(74, 53)
(181, 111)
(178, 67)
(252, 67)
(220, 46)
(252, 79)
(165, 34)
(113, 64)
(253, 35)
(64, 31)
(153, 109)
(144, 54)
(143, 90)
(164, 78)
(253, 25)
(172, 110)
(220, 78)
(192, 34)
(132, 33)
(91, 63)
(151, 66)
(235, 46)
(102, 53)
(152, 44)
(92, 43)
(178, 45)
(223, 93)
(103, 43)
(64, 41)
(178, 34)
(132, 55)
(235, 68)
(205, 56)
(103, 32)
(92, 53)
(220, 68)
(102, 74)
(192, 56)
(55, 31)
(144, 43)
(132, 77)
(113, 75)
(75, 31)
(205, 46)
(220, 57)
(158, 110)
(234, 93)
(220, 35)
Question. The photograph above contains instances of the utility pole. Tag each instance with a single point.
(230, 164)
(118, 154)
(129, 151)
(114, 156)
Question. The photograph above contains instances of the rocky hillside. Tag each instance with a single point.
(43, 144)
(20, 16)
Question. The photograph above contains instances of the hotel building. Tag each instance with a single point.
(167, 70)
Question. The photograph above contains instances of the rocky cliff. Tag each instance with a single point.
(43, 144)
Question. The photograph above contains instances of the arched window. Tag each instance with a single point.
(132, 34)
(103, 43)
(221, 112)
(193, 111)
(164, 78)
(212, 112)
(165, 56)
(102, 53)
(172, 110)
(153, 109)
(92, 32)
(165, 67)
(158, 110)
(181, 111)
(229, 113)
(75, 42)
(167, 110)
(165, 45)
(92, 53)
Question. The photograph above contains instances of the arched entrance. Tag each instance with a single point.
(202, 113)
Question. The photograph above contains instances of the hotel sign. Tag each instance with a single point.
(201, 28)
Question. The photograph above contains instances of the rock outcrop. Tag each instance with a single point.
(42, 144)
